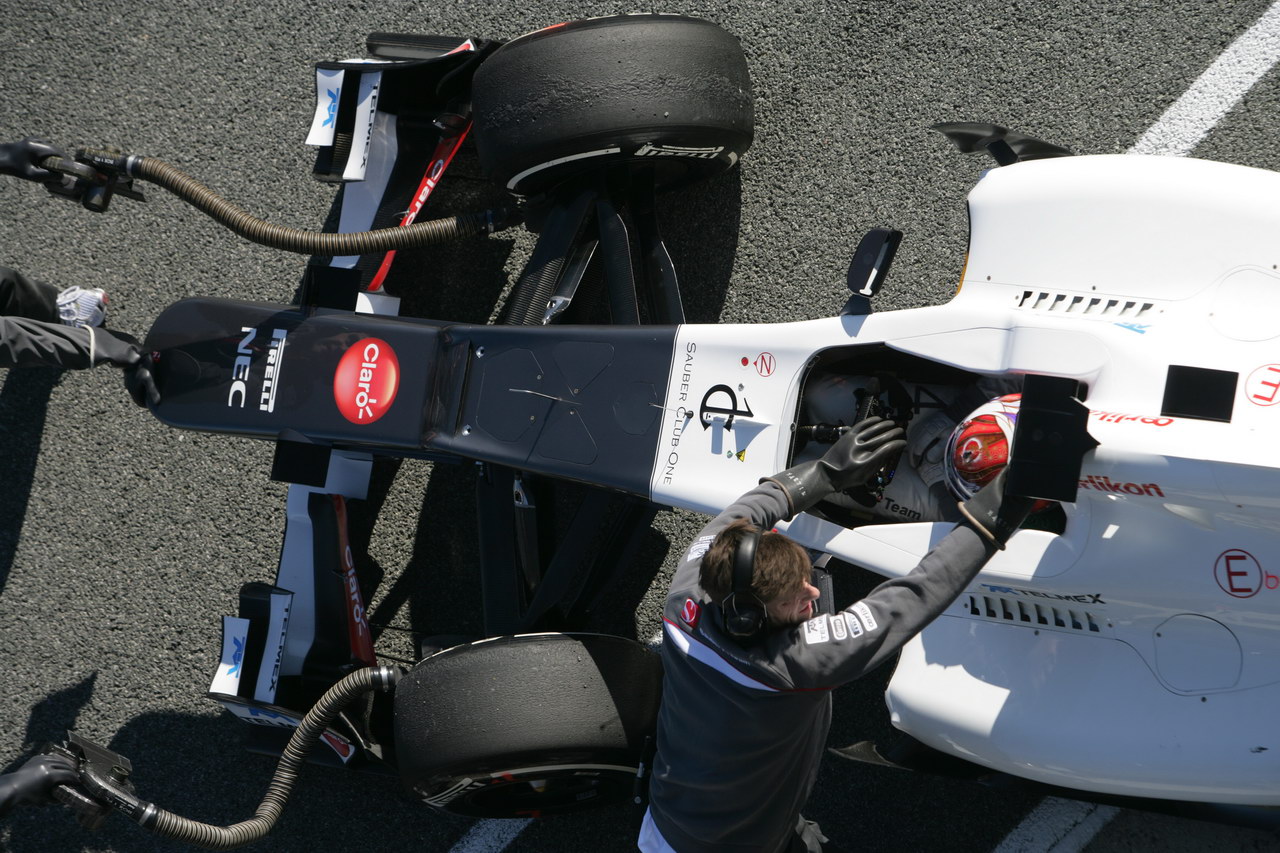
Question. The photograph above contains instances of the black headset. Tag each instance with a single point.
(744, 613)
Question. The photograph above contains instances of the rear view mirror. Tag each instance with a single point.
(870, 265)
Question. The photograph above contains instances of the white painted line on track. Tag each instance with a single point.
(490, 836)
(1216, 91)
(1057, 826)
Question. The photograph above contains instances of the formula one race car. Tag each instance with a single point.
(1127, 648)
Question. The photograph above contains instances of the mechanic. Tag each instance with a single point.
(40, 326)
(749, 662)
(33, 782)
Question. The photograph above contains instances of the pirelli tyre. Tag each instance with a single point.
(527, 725)
(664, 90)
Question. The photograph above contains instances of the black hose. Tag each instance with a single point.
(169, 825)
(245, 224)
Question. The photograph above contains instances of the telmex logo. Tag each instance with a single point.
(366, 381)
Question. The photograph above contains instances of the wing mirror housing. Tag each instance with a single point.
(870, 267)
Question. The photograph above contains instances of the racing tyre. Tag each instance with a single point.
(661, 90)
(530, 725)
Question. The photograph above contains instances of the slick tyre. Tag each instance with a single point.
(530, 725)
(664, 91)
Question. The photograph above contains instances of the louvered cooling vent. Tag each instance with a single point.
(1089, 306)
(1034, 614)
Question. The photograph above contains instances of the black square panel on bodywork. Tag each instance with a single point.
(1050, 439)
(1199, 392)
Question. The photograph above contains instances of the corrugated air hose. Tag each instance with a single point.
(430, 233)
(169, 825)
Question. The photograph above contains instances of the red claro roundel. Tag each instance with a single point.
(366, 381)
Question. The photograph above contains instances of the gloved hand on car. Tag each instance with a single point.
(853, 460)
(33, 782)
(996, 514)
(22, 159)
(123, 351)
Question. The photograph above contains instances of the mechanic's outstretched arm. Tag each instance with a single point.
(874, 629)
(851, 461)
(33, 782)
(36, 343)
(32, 343)
(40, 327)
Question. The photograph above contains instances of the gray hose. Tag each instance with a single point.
(418, 234)
(304, 738)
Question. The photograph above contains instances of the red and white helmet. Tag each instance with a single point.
(979, 446)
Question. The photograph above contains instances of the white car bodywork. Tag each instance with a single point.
(1138, 652)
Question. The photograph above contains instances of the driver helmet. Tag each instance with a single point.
(979, 446)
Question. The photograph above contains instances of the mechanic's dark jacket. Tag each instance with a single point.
(35, 337)
(741, 729)
(32, 343)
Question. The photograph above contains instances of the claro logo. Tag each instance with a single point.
(365, 384)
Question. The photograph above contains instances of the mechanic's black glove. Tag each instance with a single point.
(22, 159)
(995, 514)
(123, 351)
(852, 461)
(33, 782)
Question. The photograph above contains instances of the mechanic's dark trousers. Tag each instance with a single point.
(22, 297)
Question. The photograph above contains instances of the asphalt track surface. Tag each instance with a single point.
(122, 542)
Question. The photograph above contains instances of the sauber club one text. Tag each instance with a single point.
(682, 415)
